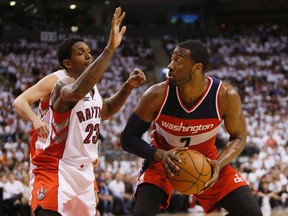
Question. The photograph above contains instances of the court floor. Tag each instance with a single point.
(278, 212)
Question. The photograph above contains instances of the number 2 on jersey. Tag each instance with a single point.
(186, 141)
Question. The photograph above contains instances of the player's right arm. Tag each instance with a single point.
(69, 91)
(140, 121)
(22, 104)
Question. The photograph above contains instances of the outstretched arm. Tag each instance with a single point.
(113, 104)
(75, 91)
(22, 104)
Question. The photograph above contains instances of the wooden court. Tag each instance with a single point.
(278, 212)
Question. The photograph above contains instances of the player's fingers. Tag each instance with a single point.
(170, 172)
(207, 186)
(123, 30)
(211, 182)
(175, 151)
(40, 133)
(166, 170)
(46, 129)
(137, 71)
(114, 17)
(120, 19)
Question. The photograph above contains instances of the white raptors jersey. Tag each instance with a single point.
(43, 106)
(44, 114)
(74, 134)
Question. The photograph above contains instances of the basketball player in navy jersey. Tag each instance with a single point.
(186, 112)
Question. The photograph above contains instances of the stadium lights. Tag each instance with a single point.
(12, 3)
(74, 29)
(73, 6)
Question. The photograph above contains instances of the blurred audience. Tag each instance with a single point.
(254, 60)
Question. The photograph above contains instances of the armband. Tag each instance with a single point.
(131, 140)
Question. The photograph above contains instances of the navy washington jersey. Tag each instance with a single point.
(177, 126)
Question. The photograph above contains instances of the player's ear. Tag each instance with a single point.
(67, 64)
(198, 67)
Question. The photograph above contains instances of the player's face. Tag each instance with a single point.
(80, 58)
(180, 67)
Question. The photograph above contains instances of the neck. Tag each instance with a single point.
(71, 74)
(192, 92)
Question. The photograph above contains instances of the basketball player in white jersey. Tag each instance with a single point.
(137, 78)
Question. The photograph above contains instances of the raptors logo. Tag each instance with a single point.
(41, 193)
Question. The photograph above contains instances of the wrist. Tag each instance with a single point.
(219, 164)
(158, 155)
(110, 50)
(127, 86)
(34, 119)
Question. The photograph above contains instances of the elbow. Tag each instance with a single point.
(77, 94)
(123, 141)
(73, 95)
(106, 116)
(16, 104)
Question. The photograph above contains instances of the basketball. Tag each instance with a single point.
(194, 172)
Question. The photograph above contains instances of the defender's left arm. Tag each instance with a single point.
(113, 104)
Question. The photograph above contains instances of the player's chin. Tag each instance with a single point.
(86, 66)
(171, 80)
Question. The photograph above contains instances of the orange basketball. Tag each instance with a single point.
(194, 172)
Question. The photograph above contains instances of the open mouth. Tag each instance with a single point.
(169, 76)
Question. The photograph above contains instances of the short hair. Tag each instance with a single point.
(199, 52)
(64, 50)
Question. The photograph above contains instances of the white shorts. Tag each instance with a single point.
(68, 189)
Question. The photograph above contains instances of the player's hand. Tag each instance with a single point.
(41, 128)
(96, 163)
(169, 160)
(117, 32)
(136, 78)
(215, 174)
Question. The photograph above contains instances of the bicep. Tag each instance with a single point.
(61, 99)
(66, 91)
(150, 103)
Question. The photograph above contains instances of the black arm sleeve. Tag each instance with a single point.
(131, 140)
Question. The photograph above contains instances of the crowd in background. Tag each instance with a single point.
(254, 60)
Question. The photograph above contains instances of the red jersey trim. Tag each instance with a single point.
(218, 101)
(60, 117)
(163, 101)
(44, 105)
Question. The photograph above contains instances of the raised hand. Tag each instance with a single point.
(117, 32)
(136, 78)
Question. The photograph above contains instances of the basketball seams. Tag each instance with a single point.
(192, 167)
(195, 168)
